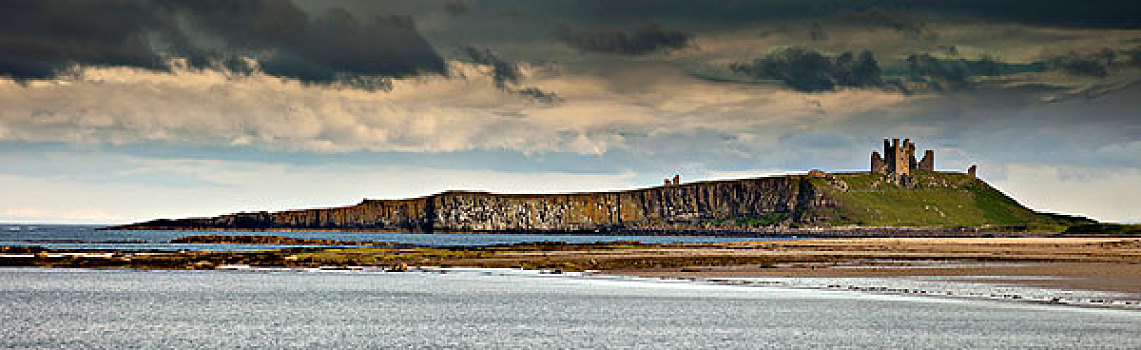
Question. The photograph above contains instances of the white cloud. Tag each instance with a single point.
(1102, 193)
(20, 213)
(77, 216)
(232, 186)
(464, 111)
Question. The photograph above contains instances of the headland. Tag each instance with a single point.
(898, 195)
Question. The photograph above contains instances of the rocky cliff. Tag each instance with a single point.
(781, 201)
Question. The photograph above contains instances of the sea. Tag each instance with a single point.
(512, 308)
(89, 237)
(113, 309)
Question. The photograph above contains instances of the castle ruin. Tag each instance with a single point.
(898, 160)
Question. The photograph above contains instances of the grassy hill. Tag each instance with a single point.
(934, 200)
(937, 199)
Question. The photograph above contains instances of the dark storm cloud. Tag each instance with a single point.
(807, 70)
(540, 95)
(924, 67)
(816, 33)
(38, 38)
(900, 23)
(644, 40)
(1051, 12)
(1091, 64)
(1119, 14)
(456, 7)
(504, 71)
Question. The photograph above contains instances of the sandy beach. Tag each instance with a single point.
(1095, 264)
(1101, 264)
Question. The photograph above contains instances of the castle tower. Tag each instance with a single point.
(909, 154)
(896, 157)
(898, 160)
(878, 165)
(928, 162)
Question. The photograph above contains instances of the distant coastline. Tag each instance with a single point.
(930, 203)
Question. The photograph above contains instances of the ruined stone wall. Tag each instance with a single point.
(878, 164)
(899, 160)
(928, 162)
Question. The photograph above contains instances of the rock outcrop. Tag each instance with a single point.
(898, 191)
(793, 197)
(779, 203)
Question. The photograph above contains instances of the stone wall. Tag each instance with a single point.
(878, 164)
(928, 161)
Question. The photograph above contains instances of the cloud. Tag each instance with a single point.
(503, 71)
(540, 95)
(75, 216)
(807, 70)
(1105, 194)
(235, 78)
(456, 7)
(461, 111)
(21, 213)
(39, 39)
(244, 188)
(1097, 63)
(902, 24)
(647, 39)
(506, 74)
(925, 67)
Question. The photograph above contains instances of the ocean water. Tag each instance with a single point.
(75, 308)
(87, 237)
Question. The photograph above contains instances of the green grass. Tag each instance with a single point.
(942, 200)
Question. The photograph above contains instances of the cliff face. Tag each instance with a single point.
(405, 215)
(665, 207)
(651, 208)
(931, 200)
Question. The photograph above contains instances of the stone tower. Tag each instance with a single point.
(928, 161)
(898, 160)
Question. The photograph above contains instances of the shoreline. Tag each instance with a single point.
(896, 286)
(805, 233)
(1044, 275)
(1110, 265)
(981, 291)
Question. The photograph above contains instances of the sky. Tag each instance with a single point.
(120, 111)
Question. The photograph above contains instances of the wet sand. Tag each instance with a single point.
(1096, 264)
(1108, 277)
